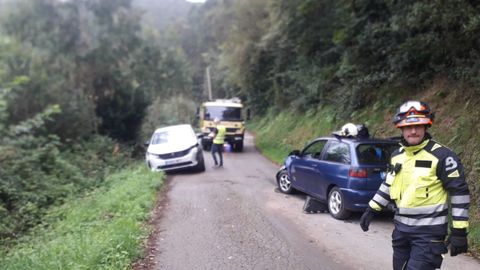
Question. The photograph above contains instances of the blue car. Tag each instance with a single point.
(342, 172)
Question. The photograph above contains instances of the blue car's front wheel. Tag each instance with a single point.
(336, 204)
(283, 182)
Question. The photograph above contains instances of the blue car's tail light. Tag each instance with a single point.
(358, 172)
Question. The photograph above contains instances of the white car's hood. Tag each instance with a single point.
(170, 147)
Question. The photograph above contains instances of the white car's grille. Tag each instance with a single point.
(174, 154)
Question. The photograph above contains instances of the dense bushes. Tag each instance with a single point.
(71, 71)
(94, 59)
(171, 111)
(38, 171)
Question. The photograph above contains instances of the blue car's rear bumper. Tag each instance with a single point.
(357, 200)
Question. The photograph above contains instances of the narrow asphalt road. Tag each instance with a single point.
(232, 218)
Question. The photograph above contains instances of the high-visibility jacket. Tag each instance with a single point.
(220, 136)
(429, 177)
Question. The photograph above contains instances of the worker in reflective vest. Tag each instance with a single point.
(425, 179)
(218, 141)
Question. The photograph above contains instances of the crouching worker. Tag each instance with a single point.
(424, 180)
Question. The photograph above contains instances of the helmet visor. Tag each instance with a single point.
(418, 106)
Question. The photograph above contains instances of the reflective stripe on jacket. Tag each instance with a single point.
(220, 136)
(429, 174)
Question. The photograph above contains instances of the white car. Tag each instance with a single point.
(173, 148)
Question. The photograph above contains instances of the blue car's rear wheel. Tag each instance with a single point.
(336, 204)
(283, 182)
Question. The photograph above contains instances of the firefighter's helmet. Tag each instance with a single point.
(413, 113)
(349, 130)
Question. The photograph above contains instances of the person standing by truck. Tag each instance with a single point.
(218, 135)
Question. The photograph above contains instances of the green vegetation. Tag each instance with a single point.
(36, 174)
(279, 133)
(78, 79)
(102, 230)
(301, 54)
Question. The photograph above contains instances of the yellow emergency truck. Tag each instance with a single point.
(229, 111)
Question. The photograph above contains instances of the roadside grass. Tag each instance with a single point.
(278, 133)
(103, 230)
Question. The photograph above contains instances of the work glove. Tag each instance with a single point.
(367, 218)
(457, 241)
(392, 207)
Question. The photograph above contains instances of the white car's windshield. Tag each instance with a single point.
(160, 138)
(172, 135)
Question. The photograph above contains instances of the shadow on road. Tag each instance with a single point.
(354, 217)
(183, 172)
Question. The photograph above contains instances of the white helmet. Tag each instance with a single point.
(349, 130)
(216, 120)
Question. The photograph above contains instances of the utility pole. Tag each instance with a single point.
(209, 84)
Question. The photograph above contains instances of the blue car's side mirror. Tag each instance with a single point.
(294, 153)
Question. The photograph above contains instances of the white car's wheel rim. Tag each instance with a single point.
(284, 182)
(335, 202)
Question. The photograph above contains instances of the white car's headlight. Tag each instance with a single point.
(150, 155)
(194, 150)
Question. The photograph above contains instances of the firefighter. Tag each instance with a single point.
(425, 181)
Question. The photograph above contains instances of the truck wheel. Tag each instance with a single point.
(238, 147)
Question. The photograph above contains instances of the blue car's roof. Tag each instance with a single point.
(355, 140)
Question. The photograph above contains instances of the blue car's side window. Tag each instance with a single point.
(338, 152)
(314, 150)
